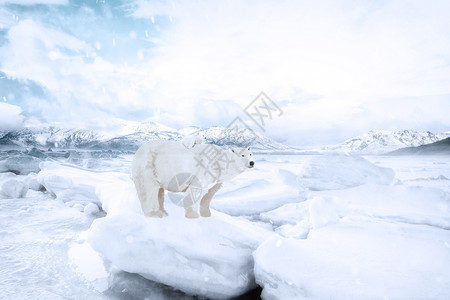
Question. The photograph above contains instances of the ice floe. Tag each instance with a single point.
(357, 258)
(21, 164)
(13, 188)
(339, 171)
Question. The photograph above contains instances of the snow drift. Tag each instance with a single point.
(339, 171)
(357, 259)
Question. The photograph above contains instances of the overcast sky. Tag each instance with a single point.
(335, 68)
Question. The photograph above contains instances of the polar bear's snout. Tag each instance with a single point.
(245, 156)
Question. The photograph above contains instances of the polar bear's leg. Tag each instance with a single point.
(150, 205)
(148, 190)
(191, 201)
(190, 213)
(206, 200)
(161, 201)
(139, 183)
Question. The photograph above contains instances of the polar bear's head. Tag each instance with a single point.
(245, 156)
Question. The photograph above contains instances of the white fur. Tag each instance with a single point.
(191, 140)
(156, 163)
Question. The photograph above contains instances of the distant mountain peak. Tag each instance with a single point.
(441, 147)
(384, 141)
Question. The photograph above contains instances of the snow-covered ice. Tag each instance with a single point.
(74, 185)
(21, 164)
(207, 257)
(414, 205)
(14, 188)
(357, 258)
(36, 233)
(339, 171)
(365, 242)
(258, 191)
(32, 182)
(313, 227)
(91, 208)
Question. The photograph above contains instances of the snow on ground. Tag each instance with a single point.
(357, 258)
(258, 191)
(429, 171)
(76, 186)
(14, 188)
(366, 242)
(36, 233)
(339, 171)
(393, 242)
(414, 205)
(208, 257)
(313, 227)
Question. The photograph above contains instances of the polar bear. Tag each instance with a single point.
(203, 169)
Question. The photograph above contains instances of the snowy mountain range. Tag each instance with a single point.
(383, 141)
(135, 136)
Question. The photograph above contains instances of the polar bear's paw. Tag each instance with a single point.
(190, 213)
(205, 212)
(157, 214)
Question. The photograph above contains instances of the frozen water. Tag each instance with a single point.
(37, 153)
(357, 234)
(414, 205)
(430, 171)
(3, 168)
(6, 176)
(22, 164)
(32, 182)
(73, 185)
(208, 257)
(36, 233)
(91, 208)
(258, 190)
(339, 171)
(14, 188)
(357, 258)
(369, 241)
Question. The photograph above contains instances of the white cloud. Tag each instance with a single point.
(10, 116)
(335, 63)
(35, 2)
(347, 55)
(335, 67)
(80, 83)
(321, 47)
